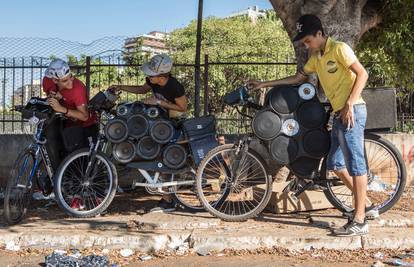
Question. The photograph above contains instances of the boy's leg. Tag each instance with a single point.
(360, 195)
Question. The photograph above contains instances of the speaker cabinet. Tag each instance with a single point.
(381, 108)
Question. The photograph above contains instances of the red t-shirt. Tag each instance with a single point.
(72, 98)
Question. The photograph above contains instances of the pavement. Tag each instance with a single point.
(149, 232)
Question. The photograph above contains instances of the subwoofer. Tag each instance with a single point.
(316, 143)
(116, 130)
(311, 115)
(284, 149)
(174, 156)
(162, 131)
(124, 152)
(137, 125)
(266, 124)
(284, 99)
(146, 148)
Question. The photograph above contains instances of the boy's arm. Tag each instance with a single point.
(136, 89)
(347, 115)
(298, 78)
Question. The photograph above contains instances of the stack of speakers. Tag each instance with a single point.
(292, 126)
(142, 132)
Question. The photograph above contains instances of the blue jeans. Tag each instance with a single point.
(347, 145)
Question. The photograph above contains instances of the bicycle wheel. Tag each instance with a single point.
(19, 187)
(82, 195)
(185, 195)
(233, 185)
(386, 177)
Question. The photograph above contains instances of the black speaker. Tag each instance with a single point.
(137, 125)
(146, 148)
(116, 130)
(284, 149)
(124, 152)
(316, 143)
(162, 131)
(284, 99)
(174, 156)
(381, 108)
(311, 115)
(266, 124)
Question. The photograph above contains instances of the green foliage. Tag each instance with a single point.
(235, 40)
(391, 47)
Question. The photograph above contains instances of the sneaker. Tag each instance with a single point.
(371, 213)
(352, 228)
(76, 204)
(164, 206)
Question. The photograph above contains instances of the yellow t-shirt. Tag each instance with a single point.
(333, 71)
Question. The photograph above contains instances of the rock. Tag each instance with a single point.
(126, 252)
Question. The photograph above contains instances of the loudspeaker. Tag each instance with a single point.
(162, 131)
(116, 130)
(174, 156)
(137, 126)
(124, 152)
(147, 148)
(381, 108)
(266, 124)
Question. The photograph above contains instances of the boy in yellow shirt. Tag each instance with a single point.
(342, 78)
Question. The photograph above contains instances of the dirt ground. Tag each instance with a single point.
(265, 257)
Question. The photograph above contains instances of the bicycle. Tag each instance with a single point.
(86, 181)
(220, 169)
(33, 165)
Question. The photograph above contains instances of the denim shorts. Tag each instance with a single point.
(347, 145)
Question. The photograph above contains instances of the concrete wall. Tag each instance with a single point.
(11, 145)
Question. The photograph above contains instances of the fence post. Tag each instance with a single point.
(197, 60)
(88, 76)
(206, 91)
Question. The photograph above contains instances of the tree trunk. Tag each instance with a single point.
(344, 20)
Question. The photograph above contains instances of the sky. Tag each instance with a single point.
(88, 20)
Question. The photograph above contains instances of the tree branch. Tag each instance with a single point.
(370, 16)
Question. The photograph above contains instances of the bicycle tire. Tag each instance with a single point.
(12, 190)
(401, 180)
(104, 202)
(209, 205)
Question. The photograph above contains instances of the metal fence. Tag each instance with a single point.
(21, 79)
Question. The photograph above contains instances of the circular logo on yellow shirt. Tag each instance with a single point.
(331, 66)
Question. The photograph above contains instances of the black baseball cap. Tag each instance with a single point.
(307, 24)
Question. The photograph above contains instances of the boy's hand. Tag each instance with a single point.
(114, 89)
(347, 115)
(151, 100)
(56, 95)
(54, 103)
(254, 84)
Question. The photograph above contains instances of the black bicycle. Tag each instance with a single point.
(33, 166)
(238, 169)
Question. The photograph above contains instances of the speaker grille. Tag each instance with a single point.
(284, 99)
(284, 149)
(162, 132)
(266, 124)
(116, 130)
(138, 125)
(147, 148)
(174, 156)
(124, 152)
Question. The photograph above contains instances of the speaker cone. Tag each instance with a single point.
(123, 110)
(306, 91)
(116, 130)
(311, 115)
(305, 167)
(147, 148)
(284, 149)
(174, 156)
(137, 125)
(284, 99)
(162, 131)
(316, 143)
(266, 124)
(124, 152)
